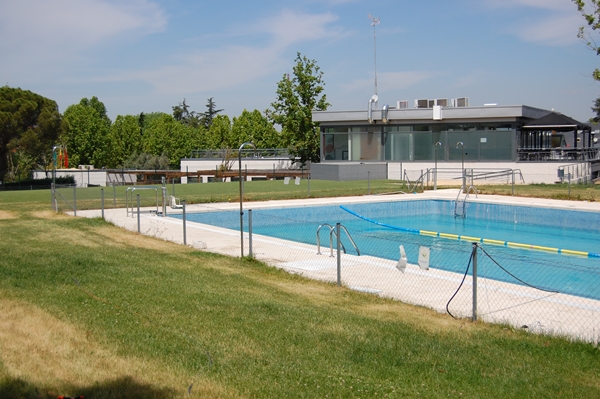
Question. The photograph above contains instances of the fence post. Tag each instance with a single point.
(513, 182)
(569, 179)
(173, 186)
(250, 233)
(138, 213)
(114, 196)
(339, 257)
(308, 181)
(474, 281)
(184, 223)
(102, 201)
(53, 198)
(75, 200)
(369, 182)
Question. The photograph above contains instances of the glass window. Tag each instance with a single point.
(335, 147)
(397, 146)
(495, 145)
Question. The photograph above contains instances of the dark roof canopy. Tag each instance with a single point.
(556, 121)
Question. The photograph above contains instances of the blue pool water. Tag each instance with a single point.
(573, 230)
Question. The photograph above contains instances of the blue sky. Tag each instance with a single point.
(148, 55)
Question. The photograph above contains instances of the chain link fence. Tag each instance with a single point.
(540, 289)
(467, 277)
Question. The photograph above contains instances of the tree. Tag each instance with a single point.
(592, 18)
(163, 135)
(210, 114)
(182, 114)
(124, 139)
(86, 136)
(297, 98)
(255, 127)
(219, 133)
(30, 126)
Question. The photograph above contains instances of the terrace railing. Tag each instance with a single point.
(245, 153)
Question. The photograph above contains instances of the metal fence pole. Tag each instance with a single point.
(173, 186)
(184, 223)
(339, 256)
(114, 196)
(53, 198)
(102, 201)
(513, 182)
(250, 233)
(474, 281)
(75, 200)
(138, 213)
(308, 185)
(368, 182)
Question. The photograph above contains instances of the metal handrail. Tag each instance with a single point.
(331, 234)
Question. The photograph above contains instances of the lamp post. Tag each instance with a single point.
(438, 144)
(242, 195)
(462, 145)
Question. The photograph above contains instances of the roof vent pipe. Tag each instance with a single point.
(384, 113)
(372, 101)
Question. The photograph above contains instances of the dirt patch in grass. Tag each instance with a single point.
(53, 355)
(4, 215)
(47, 215)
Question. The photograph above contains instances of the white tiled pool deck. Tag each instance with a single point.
(516, 305)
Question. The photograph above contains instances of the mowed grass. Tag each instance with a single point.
(90, 309)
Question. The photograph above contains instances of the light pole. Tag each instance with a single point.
(462, 145)
(242, 194)
(438, 144)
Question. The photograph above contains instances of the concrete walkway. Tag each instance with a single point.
(520, 306)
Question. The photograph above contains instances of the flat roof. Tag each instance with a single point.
(425, 115)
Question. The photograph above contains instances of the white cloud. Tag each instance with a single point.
(71, 25)
(390, 81)
(555, 30)
(209, 70)
(290, 27)
(543, 4)
(551, 22)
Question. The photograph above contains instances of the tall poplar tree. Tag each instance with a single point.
(297, 97)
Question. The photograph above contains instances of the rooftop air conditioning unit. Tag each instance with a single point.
(402, 104)
(421, 104)
(442, 102)
(460, 102)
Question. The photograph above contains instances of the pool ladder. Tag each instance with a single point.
(332, 232)
(460, 205)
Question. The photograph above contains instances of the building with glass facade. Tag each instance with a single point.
(488, 134)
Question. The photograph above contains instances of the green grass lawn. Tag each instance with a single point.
(90, 309)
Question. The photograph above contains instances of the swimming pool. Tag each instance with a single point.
(547, 227)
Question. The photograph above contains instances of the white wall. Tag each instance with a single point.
(82, 177)
(193, 165)
(450, 172)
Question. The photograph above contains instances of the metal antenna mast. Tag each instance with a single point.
(374, 22)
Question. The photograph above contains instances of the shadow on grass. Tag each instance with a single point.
(121, 388)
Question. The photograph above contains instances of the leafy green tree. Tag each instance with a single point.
(591, 14)
(88, 127)
(146, 161)
(182, 114)
(219, 134)
(297, 98)
(124, 139)
(165, 135)
(255, 127)
(30, 125)
(210, 114)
